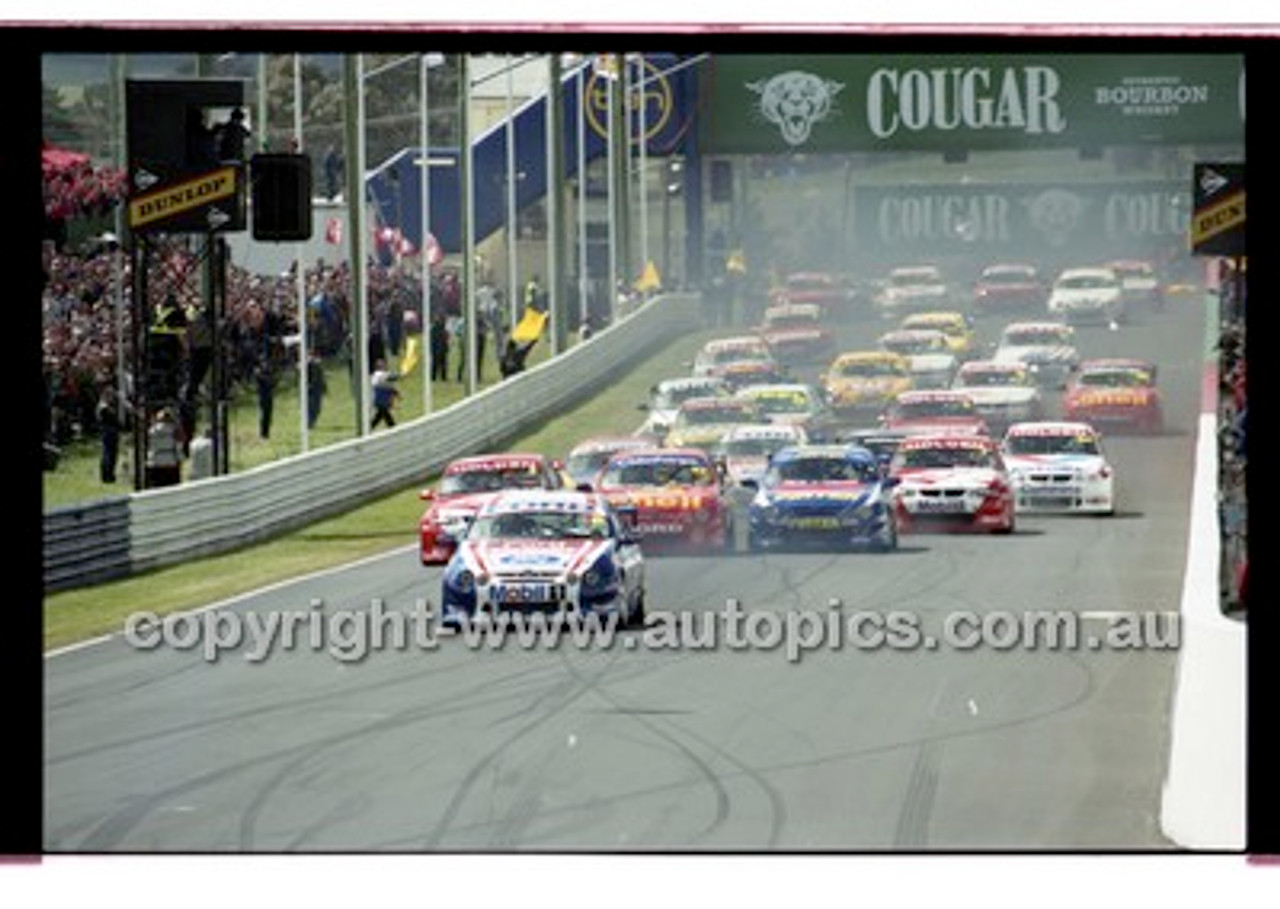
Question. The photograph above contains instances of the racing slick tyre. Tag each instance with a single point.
(635, 618)
(888, 540)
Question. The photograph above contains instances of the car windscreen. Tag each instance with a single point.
(658, 472)
(540, 525)
(870, 369)
(491, 479)
(1052, 444)
(943, 457)
(914, 410)
(823, 470)
(1120, 378)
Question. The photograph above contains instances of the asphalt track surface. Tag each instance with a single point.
(459, 749)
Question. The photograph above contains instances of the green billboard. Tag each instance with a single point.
(762, 103)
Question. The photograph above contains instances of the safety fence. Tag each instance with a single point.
(85, 544)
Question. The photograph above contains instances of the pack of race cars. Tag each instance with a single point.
(927, 432)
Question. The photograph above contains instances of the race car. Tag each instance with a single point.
(1115, 394)
(1003, 393)
(932, 363)
(738, 376)
(556, 553)
(1059, 466)
(1139, 282)
(716, 354)
(744, 451)
(882, 443)
(793, 403)
(825, 495)
(465, 486)
(677, 495)
(666, 397)
(1008, 286)
(962, 340)
(934, 413)
(950, 483)
(912, 288)
(796, 334)
(835, 295)
(1087, 295)
(863, 382)
(701, 422)
(589, 456)
(1047, 348)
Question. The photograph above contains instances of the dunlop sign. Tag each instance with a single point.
(212, 201)
(1217, 219)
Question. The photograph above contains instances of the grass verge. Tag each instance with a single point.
(387, 523)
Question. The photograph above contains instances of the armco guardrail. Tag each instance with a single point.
(161, 527)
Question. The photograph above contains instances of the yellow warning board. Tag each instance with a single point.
(169, 201)
(1217, 219)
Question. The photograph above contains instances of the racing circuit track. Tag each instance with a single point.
(636, 749)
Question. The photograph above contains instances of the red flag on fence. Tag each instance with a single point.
(333, 231)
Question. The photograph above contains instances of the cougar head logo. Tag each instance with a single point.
(795, 101)
(1055, 213)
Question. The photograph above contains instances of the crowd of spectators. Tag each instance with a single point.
(82, 325)
(1233, 413)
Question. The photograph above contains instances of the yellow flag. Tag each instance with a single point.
(530, 326)
(649, 279)
(736, 261)
(410, 356)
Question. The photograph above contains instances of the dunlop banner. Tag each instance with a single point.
(1033, 220)
(207, 202)
(886, 102)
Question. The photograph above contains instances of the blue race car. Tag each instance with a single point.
(552, 552)
(824, 495)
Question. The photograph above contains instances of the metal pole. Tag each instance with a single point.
(424, 177)
(119, 68)
(263, 144)
(353, 66)
(301, 278)
(644, 163)
(555, 193)
(513, 268)
(584, 280)
(466, 221)
(611, 162)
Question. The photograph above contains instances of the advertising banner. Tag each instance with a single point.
(885, 102)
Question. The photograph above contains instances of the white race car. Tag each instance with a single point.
(1003, 393)
(1087, 295)
(913, 288)
(1047, 348)
(745, 450)
(666, 397)
(932, 363)
(547, 552)
(1059, 466)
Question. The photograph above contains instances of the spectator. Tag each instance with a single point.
(513, 359)
(201, 456)
(332, 172)
(385, 395)
(458, 341)
(316, 387)
(265, 381)
(232, 137)
(107, 415)
(439, 348)
(164, 451)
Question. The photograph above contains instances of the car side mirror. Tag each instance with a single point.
(889, 481)
(584, 487)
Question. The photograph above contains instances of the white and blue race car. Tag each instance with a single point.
(559, 553)
(1059, 466)
(825, 495)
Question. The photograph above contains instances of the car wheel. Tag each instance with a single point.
(635, 618)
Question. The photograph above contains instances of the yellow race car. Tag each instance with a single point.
(863, 381)
(962, 340)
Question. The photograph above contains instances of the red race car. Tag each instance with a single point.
(796, 334)
(935, 413)
(677, 496)
(836, 295)
(1115, 394)
(952, 483)
(1009, 286)
(466, 485)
